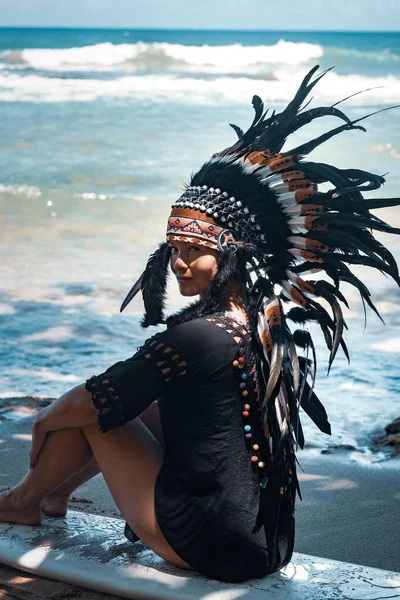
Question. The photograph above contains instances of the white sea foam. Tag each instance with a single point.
(164, 88)
(386, 54)
(6, 309)
(158, 55)
(53, 334)
(28, 191)
(45, 374)
(390, 345)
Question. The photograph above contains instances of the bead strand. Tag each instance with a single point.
(239, 363)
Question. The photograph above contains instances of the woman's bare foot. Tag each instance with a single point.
(12, 510)
(55, 505)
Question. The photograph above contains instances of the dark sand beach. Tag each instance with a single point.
(350, 512)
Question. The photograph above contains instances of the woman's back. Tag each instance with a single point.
(216, 500)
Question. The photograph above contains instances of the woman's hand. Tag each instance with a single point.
(39, 435)
(73, 409)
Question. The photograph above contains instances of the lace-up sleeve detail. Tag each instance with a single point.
(168, 362)
(127, 388)
(105, 398)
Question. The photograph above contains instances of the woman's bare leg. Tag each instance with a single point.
(130, 459)
(64, 452)
(56, 503)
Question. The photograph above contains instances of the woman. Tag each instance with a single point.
(198, 429)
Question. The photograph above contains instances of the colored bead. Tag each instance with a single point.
(245, 413)
(245, 393)
(290, 472)
(246, 407)
(289, 480)
(261, 464)
(241, 360)
(235, 363)
(247, 428)
(256, 447)
(281, 490)
(263, 484)
(242, 385)
(254, 459)
(244, 376)
(248, 435)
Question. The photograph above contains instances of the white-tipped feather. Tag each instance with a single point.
(286, 286)
(262, 174)
(282, 422)
(249, 167)
(277, 185)
(285, 294)
(291, 276)
(227, 158)
(312, 271)
(261, 328)
(294, 278)
(274, 180)
(297, 253)
(297, 225)
(293, 210)
(288, 199)
(297, 241)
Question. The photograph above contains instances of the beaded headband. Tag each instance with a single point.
(192, 226)
(200, 208)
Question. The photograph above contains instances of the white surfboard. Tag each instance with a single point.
(91, 551)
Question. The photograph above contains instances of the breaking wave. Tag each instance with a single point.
(279, 87)
(162, 56)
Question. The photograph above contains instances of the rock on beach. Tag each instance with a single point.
(392, 437)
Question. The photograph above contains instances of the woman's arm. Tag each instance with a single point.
(75, 408)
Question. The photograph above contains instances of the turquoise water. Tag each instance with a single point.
(98, 131)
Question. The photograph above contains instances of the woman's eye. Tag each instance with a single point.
(194, 249)
(173, 250)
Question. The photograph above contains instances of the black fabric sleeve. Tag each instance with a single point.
(127, 388)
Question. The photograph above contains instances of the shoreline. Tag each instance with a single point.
(386, 443)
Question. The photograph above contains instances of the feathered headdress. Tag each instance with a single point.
(266, 202)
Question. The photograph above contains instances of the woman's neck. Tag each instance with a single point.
(235, 300)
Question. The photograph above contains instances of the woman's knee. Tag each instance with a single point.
(90, 428)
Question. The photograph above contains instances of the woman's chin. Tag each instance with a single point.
(187, 290)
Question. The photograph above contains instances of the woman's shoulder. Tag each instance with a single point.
(205, 333)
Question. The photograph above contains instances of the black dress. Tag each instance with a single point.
(208, 500)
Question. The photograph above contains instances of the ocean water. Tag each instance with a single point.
(98, 132)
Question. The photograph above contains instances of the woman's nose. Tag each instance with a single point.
(180, 265)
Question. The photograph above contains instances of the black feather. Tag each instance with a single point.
(137, 286)
(238, 130)
(316, 411)
(154, 284)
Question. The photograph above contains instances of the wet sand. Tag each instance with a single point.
(350, 512)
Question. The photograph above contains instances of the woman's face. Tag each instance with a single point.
(193, 266)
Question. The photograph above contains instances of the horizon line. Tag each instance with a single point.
(120, 28)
